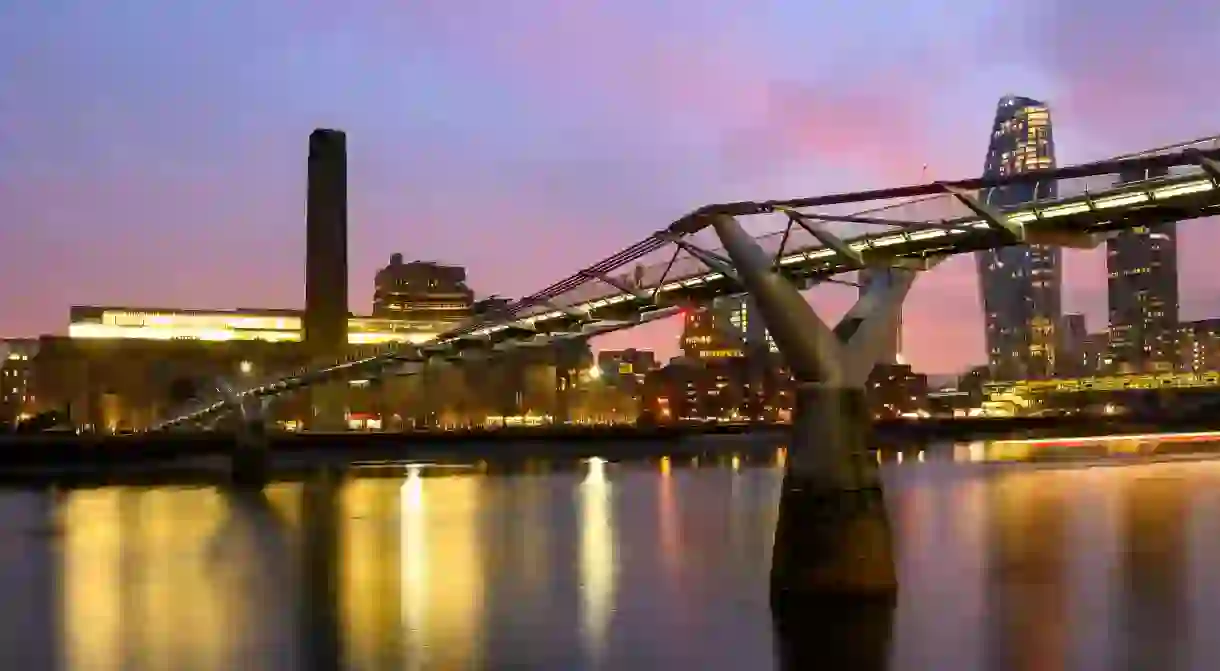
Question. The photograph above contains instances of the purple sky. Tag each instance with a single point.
(153, 152)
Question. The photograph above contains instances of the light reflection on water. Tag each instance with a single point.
(613, 565)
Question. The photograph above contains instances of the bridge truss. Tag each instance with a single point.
(813, 240)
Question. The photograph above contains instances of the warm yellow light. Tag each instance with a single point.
(110, 332)
(246, 367)
(376, 338)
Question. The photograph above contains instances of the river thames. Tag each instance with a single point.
(1090, 562)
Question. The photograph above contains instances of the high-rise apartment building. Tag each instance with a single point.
(1142, 266)
(1020, 285)
(326, 310)
(422, 291)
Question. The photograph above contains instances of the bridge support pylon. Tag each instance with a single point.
(832, 540)
(250, 459)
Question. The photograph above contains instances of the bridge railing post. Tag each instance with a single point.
(832, 540)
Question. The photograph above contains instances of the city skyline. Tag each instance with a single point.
(177, 180)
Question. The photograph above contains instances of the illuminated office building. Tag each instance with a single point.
(1020, 285)
(422, 291)
(729, 327)
(1142, 266)
(708, 333)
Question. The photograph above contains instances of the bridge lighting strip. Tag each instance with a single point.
(1075, 205)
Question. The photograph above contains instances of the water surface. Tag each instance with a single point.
(596, 565)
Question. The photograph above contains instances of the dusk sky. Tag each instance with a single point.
(152, 152)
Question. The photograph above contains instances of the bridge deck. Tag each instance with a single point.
(1090, 199)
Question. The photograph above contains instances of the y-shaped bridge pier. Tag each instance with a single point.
(833, 535)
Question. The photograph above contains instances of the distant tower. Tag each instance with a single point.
(1020, 285)
(326, 311)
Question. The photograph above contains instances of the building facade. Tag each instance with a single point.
(708, 333)
(1021, 286)
(1199, 346)
(1142, 271)
(17, 395)
(422, 291)
(729, 327)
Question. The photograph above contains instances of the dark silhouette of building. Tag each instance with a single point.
(1142, 266)
(1073, 331)
(490, 306)
(894, 390)
(1021, 284)
(326, 308)
(625, 362)
(422, 291)
(1095, 354)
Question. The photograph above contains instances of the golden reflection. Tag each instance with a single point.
(781, 456)
(597, 560)
(285, 500)
(669, 521)
(1113, 445)
(413, 544)
(369, 572)
(1027, 570)
(147, 582)
(442, 585)
(92, 541)
(735, 463)
(1156, 514)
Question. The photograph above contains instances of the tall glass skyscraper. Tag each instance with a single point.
(1020, 285)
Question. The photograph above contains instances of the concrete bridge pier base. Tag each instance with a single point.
(832, 537)
(833, 582)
